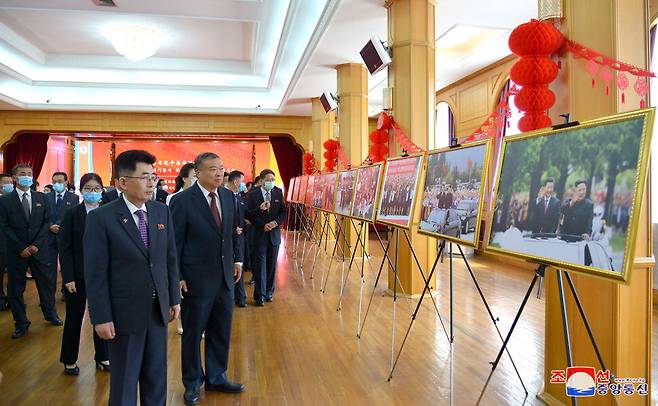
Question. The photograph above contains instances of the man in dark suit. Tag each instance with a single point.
(112, 194)
(547, 209)
(24, 220)
(131, 277)
(210, 263)
(578, 213)
(6, 187)
(266, 210)
(59, 200)
(236, 185)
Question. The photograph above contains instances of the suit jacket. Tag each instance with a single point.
(69, 201)
(207, 253)
(19, 232)
(577, 218)
(259, 217)
(110, 196)
(546, 219)
(161, 196)
(121, 273)
(71, 252)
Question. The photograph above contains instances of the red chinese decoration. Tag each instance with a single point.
(330, 155)
(310, 164)
(379, 147)
(494, 123)
(534, 42)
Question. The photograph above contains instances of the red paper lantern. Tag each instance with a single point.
(384, 121)
(535, 38)
(533, 70)
(532, 98)
(534, 121)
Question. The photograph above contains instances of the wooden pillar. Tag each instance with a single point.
(620, 315)
(353, 125)
(411, 35)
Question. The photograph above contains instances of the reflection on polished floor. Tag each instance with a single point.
(299, 350)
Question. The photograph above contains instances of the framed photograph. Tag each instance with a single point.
(570, 198)
(345, 192)
(366, 192)
(291, 188)
(318, 188)
(399, 190)
(308, 192)
(329, 191)
(452, 202)
(300, 186)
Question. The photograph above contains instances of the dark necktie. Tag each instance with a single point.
(214, 210)
(546, 207)
(143, 227)
(26, 205)
(58, 205)
(237, 205)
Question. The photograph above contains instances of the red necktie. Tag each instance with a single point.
(214, 210)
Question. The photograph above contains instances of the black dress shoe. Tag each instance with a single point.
(268, 298)
(55, 321)
(20, 331)
(4, 305)
(103, 367)
(241, 303)
(191, 396)
(251, 282)
(260, 302)
(227, 387)
(72, 371)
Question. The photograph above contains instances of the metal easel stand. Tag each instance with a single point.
(336, 235)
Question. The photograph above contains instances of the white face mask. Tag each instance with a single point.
(165, 187)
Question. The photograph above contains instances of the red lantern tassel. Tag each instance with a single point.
(642, 104)
(607, 90)
(623, 98)
(593, 82)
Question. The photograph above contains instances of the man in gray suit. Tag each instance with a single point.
(131, 276)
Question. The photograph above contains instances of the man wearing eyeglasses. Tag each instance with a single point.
(131, 276)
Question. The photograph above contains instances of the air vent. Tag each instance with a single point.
(104, 3)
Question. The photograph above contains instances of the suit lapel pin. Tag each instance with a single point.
(68, 203)
(125, 221)
(161, 227)
(38, 204)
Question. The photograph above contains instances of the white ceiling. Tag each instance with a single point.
(248, 56)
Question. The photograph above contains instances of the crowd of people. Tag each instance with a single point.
(138, 257)
(398, 195)
(365, 192)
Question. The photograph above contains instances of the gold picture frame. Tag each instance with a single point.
(380, 173)
(291, 190)
(639, 182)
(419, 174)
(481, 194)
(338, 178)
(325, 177)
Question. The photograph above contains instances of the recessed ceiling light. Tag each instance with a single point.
(134, 42)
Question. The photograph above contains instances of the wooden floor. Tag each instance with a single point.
(299, 350)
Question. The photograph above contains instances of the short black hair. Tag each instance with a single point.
(266, 172)
(5, 175)
(250, 184)
(49, 186)
(184, 173)
(88, 177)
(226, 174)
(127, 161)
(579, 181)
(234, 175)
(257, 179)
(202, 157)
(66, 177)
(548, 180)
(16, 168)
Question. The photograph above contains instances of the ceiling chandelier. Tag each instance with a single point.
(134, 42)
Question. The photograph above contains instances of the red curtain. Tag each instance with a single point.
(27, 148)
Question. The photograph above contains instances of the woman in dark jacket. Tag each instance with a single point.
(71, 260)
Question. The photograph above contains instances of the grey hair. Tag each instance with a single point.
(203, 157)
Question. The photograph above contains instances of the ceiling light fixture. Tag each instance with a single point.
(135, 42)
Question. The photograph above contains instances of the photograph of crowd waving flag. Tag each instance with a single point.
(345, 193)
(568, 196)
(328, 191)
(396, 201)
(451, 193)
(365, 192)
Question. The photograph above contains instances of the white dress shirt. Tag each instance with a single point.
(29, 197)
(132, 209)
(206, 193)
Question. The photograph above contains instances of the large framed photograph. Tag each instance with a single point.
(291, 189)
(345, 192)
(570, 198)
(318, 188)
(366, 192)
(452, 201)
(329, 191)
(399, 190)
(300, 184)
(308, 192)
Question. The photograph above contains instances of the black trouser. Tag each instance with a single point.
(54, 259)
(3, 266)
(265, 269)
(75, 312)
(16, 288)
(239, 292)
(140, 358)
(214, 316)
